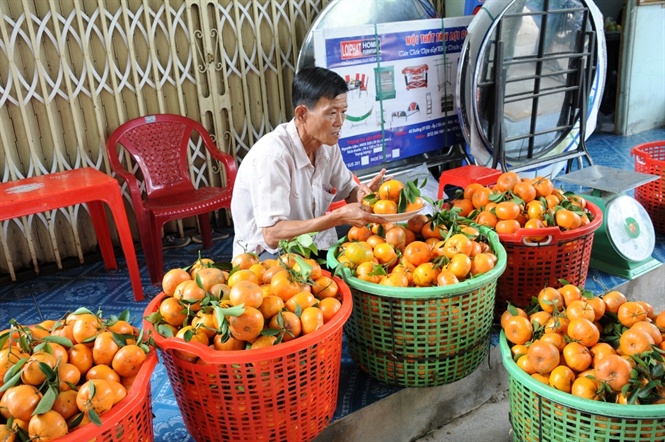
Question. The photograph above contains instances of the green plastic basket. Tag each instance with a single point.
(539, 412)
(421, 337)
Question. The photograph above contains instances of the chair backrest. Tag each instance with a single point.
(158, 144)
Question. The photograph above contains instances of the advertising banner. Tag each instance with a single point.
(401, 79)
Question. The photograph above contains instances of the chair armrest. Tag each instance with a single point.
(132, 183)
(229, 164)
(123, 173)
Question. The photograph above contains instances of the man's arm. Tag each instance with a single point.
(354, 214)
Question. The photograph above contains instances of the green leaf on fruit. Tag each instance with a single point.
(76, 421)
(82, 311)
(46, 402)
(153, 318)
(94, 417)
(65, 342)
(10, 382)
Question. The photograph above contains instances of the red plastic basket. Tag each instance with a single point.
(130, 420)
(650, 158)
(532, 266)
(285, 392)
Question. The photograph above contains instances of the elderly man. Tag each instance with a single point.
(287, 181)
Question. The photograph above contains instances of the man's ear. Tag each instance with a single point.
(301, 112)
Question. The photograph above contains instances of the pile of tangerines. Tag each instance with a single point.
(254, 305)
(432, 250)
(602, 348)
(57, 376)
(394, 196)
(515, 202)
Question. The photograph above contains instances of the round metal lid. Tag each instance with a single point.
(629, 228)
(541, 41)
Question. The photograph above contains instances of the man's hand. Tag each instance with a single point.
(357, 214)
(372, 186)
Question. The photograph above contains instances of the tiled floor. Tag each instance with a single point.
(51, 296)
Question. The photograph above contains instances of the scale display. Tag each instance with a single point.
(630, 229)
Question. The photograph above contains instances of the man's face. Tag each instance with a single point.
(324, 122)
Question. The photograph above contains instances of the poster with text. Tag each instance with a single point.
(401, 79)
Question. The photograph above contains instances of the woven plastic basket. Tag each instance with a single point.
(285, 392)
(130, 420)
(532, 266)
(422, 337)
(541, 413)
(650, 158)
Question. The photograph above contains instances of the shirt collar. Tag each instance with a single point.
(299, 150)
(302, 160)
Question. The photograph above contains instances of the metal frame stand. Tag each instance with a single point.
(579, 73)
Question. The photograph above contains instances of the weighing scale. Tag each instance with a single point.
(623, 244)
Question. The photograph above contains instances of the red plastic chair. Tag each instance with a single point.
(159, 145)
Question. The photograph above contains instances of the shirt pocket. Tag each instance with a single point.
(327, 198)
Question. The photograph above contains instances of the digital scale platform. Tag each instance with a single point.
(623, 244)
